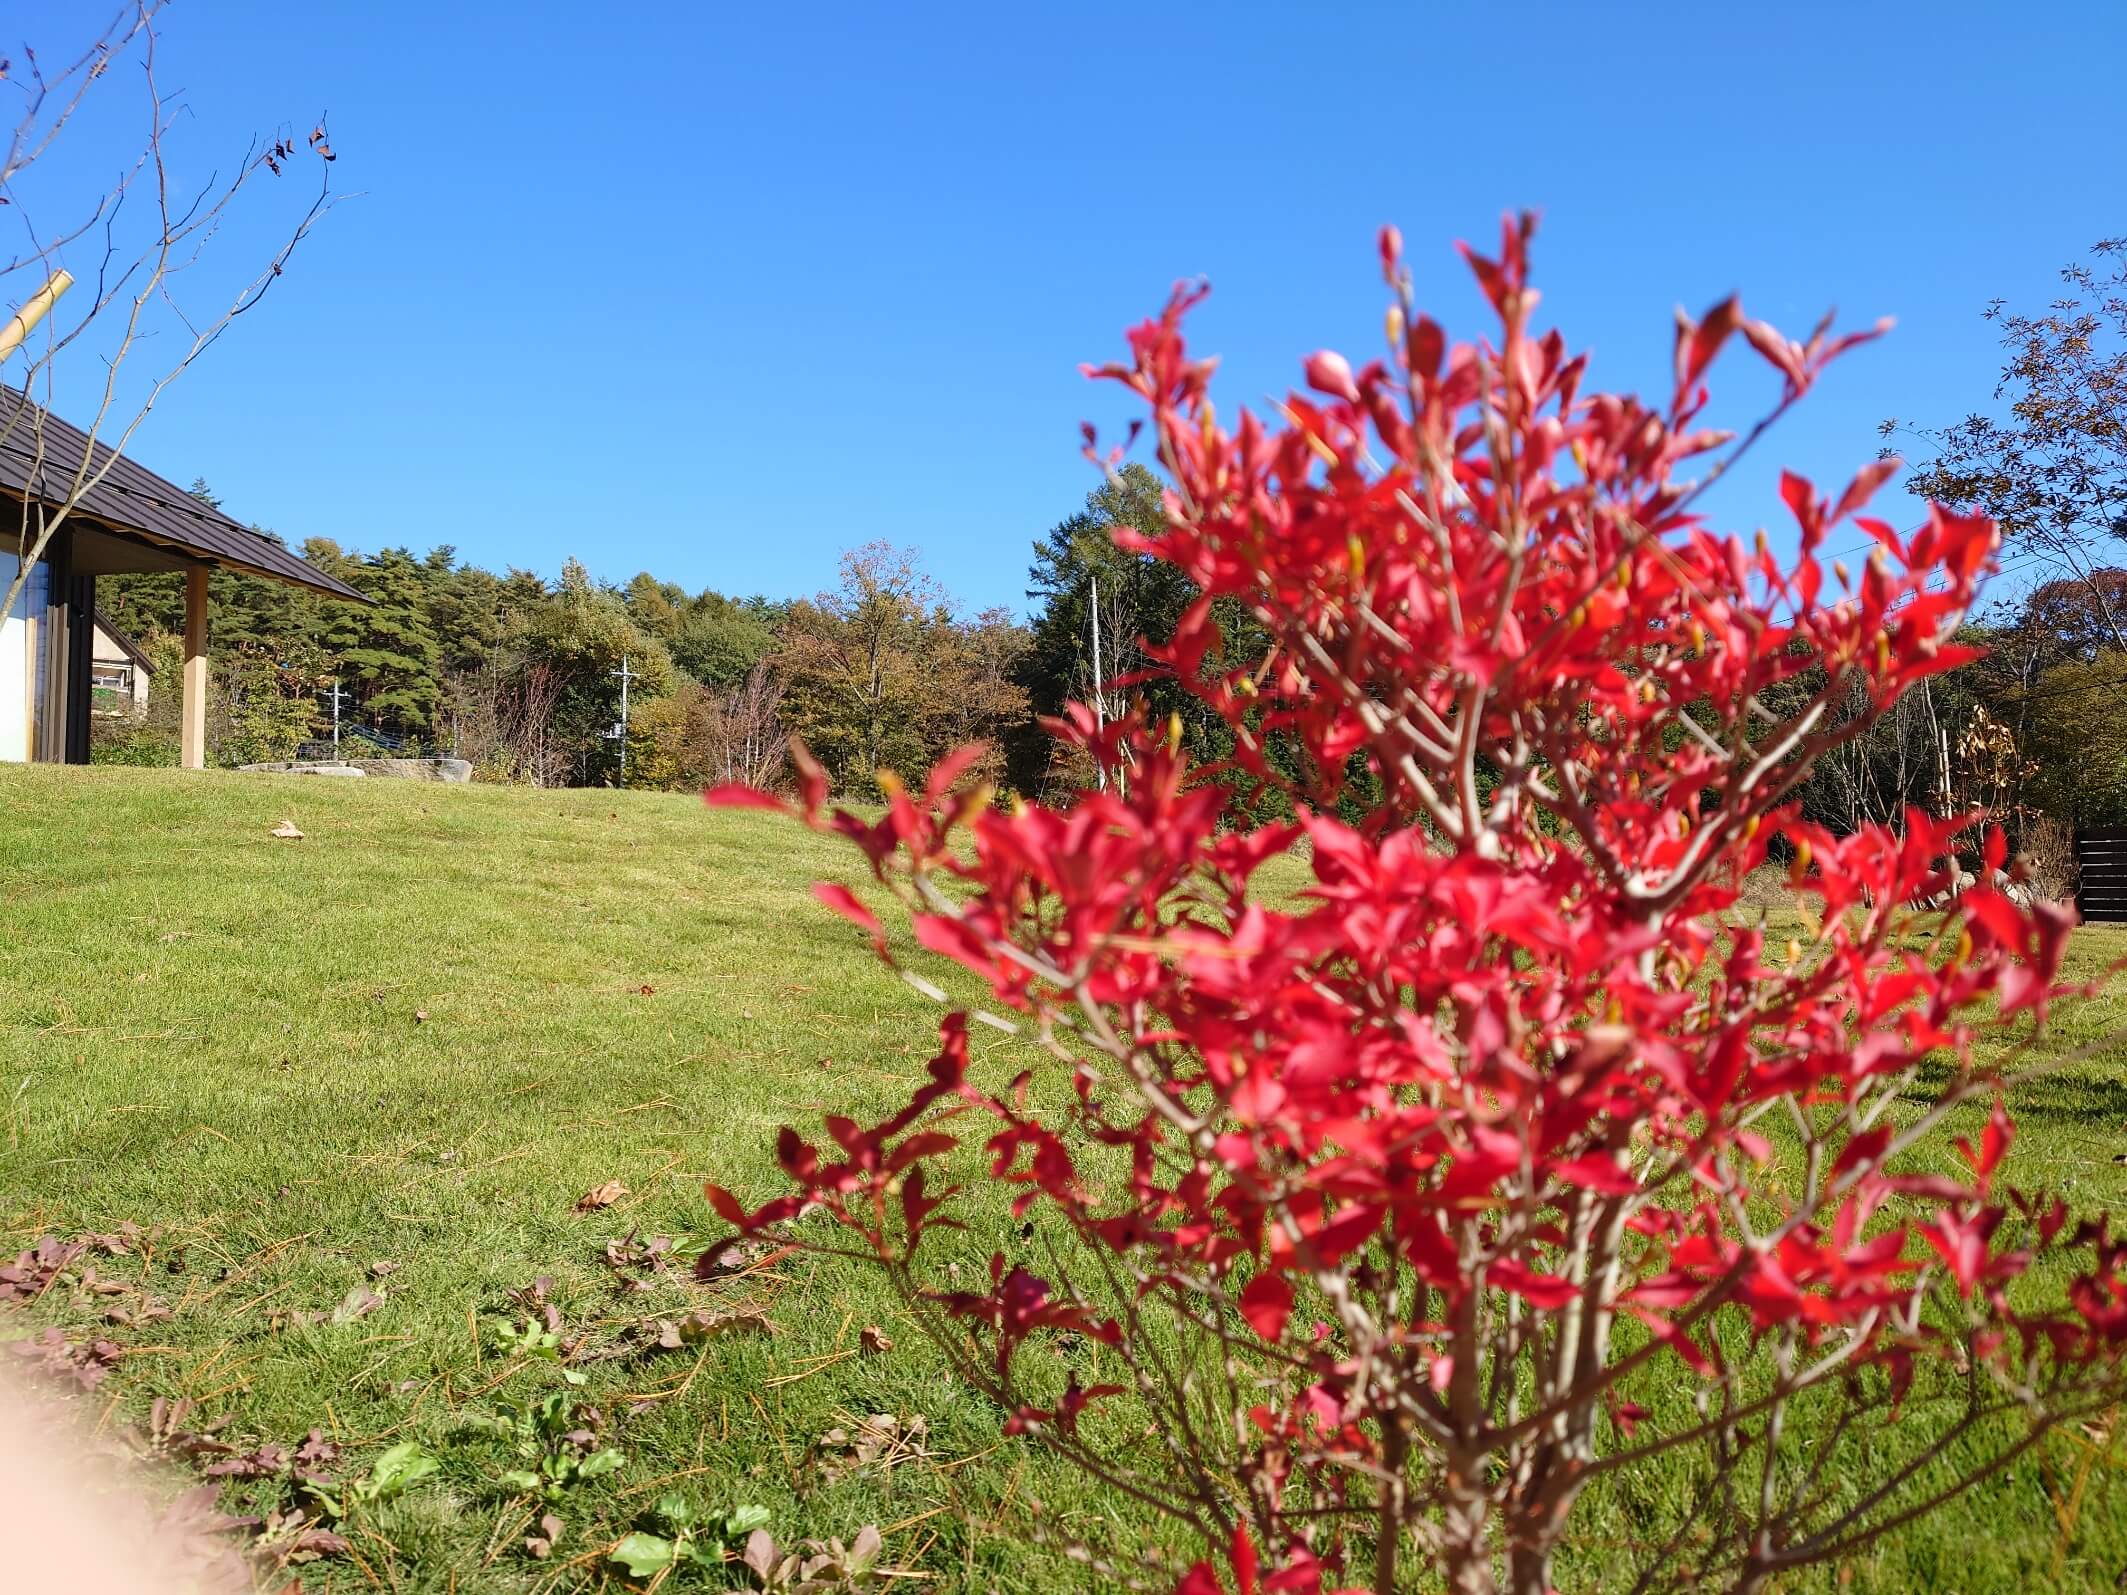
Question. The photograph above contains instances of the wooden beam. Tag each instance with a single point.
(193, 738)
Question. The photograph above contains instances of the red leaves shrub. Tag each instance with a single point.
(1510, 1115)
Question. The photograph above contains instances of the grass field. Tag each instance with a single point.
(417, 1036)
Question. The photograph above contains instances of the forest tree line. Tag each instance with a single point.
(885, 672)
(521, 675)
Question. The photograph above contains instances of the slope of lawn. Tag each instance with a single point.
(386, 1060)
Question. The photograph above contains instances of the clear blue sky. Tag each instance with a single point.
(719, 290)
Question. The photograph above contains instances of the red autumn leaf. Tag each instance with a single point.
(1265, 1303)
(844, 902)
(1596, 1172)
(732, 795)
(1329, 372)
(1541, 1290)
(1244, 1560)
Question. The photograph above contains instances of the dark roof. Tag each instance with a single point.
(41, 456)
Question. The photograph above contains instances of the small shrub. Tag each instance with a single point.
(1399, 1212)
(126, 742)
(2047, 853)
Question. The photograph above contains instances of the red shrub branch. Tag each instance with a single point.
(1426, 1172)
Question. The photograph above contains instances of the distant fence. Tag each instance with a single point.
(2101, 868)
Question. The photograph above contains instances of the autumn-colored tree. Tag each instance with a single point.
(879, 675)
(2052, 684)
(698, 736)
(1385, 1220)
(2052, 472)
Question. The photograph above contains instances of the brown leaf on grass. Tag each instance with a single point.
(382, 1268)
(267, 1461)
(603, 1196)
(763, 1558)
(420, 1016)
(874, 1341)
(677, 1334)
(542, 1544)
(166, 1433)
(733, 1257)
(86, 1362)
(187, 1541)
(32, 1273)
(638, 1261)
(288, 1537)
(882, 1440)
(537, 1302)
(115, 1245)
(148, 1311)
(286, 831)
(357, 1303)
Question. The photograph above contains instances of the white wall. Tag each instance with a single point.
(18, 676)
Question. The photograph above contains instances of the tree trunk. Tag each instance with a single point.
(1388, 1531)
(1466, 1551)
(1529, 1570)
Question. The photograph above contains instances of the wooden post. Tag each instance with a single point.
(193, 737)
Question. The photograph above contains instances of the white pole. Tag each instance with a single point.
(626, 675)
(1100, 696)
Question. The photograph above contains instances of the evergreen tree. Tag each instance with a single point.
(387, 651)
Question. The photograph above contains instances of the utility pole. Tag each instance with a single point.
(338, 697)
(1100, 695)
(620, 732)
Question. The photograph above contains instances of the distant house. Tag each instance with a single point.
(119, 672)
(122, 517)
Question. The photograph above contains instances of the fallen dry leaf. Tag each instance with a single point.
(357, 1303)
(874, 1341)
(286, 831)
(733, 1257)
(882, 1440)
(541, 1545)
(604, 1196)
(382, 1268)
(701, 1324)
(420, 1016)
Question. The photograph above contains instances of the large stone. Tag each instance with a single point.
(455, 770)
(418, 769)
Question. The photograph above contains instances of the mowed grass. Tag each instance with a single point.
(420, 1034)
(417, 1036)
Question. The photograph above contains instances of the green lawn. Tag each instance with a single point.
(417, 1036)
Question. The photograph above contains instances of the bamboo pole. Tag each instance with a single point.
(38, 306)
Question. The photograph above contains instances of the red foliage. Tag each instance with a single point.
(1507, 1070)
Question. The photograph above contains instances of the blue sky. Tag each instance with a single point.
(718, 291)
